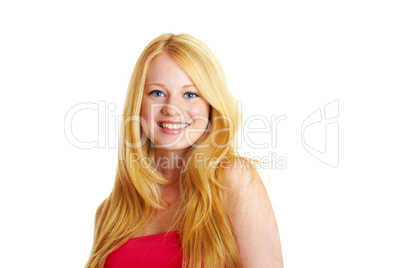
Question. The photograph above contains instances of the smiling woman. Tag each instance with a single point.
(196, 203)
(172, 105)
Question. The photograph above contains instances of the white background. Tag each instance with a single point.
(280, 58)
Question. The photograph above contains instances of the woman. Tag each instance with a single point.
(182, 195)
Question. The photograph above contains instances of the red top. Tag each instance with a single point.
(158, 250)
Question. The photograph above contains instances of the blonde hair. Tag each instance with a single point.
(202, 219)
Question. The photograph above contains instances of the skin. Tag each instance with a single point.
(171, 95)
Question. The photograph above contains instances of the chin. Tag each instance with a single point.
(174, 147)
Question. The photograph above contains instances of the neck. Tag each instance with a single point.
(170, 162)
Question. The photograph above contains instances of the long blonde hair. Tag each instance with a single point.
(203, 221)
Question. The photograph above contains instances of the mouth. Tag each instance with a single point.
(166, 125)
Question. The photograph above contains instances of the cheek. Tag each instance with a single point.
(145, 111)
(145, 117)
(201, 115)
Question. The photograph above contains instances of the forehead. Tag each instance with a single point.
(164, 69)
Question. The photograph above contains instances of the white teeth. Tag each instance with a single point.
(173, 126)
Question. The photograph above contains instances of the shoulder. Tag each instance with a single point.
(241, 175)
(240, 170)
(252, 215)
(243, 184)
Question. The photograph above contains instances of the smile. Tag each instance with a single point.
(173, 126)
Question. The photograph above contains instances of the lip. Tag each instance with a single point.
(172, 122)
(171, 131)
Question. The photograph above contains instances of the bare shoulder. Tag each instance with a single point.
(252, 214)
(240, 176)
(241, 172)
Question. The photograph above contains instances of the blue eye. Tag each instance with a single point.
(158, 92)
(192, 94)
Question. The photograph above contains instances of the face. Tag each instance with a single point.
(174, 116)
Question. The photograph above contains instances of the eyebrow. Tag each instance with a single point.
(162, 85)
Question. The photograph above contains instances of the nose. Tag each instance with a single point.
(170, 108)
